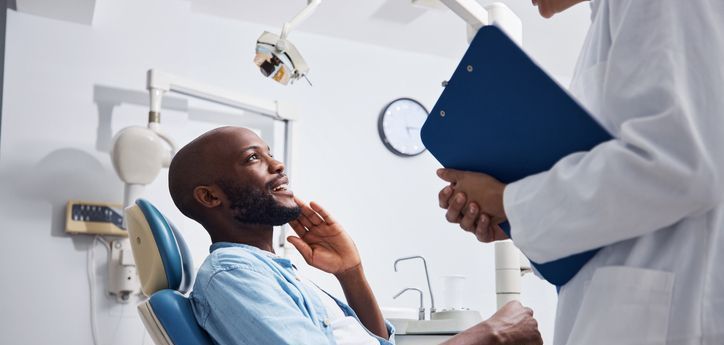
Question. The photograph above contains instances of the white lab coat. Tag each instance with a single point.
(652, 72)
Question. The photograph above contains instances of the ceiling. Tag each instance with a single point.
(396, 24)
(399, 24)
(77, 11)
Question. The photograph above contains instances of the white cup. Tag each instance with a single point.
(453, 286)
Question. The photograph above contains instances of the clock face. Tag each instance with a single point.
(399, 126)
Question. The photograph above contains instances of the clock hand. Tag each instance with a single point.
(409, 128)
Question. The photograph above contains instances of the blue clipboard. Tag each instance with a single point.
(502, 115)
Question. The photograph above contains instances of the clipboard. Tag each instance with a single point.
(502, 115)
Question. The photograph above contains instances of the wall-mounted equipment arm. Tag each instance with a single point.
(470, 11)
(477, 16)
(158, 82)
(299, 18)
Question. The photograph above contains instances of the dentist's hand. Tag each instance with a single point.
(475, 201)
(322, 241)
(513, 324)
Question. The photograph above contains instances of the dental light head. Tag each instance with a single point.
(279, 59)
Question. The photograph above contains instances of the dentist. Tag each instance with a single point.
(651, 72)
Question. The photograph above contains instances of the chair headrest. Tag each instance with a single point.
(162, 257)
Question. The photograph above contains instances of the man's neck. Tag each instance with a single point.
(260, 236)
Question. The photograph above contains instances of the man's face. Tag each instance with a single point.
(548, 8)
(254, 182)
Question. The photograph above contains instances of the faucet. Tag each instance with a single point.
(427, 276)
(421, 313)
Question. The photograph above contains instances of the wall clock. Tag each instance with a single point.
(399, 126)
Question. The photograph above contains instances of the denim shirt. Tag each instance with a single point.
(245, 295)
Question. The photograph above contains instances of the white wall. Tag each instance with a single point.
(56, 132)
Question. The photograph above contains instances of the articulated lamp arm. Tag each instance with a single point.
(299, 18)
(470, 11)
(477, 16)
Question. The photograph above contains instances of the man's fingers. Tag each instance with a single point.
(456, 206)
(302, 247)
(444, 196)
(312, 216)
(308, 217)
(304, 221)
(470, 217)
(325, 216)
(298, 228)
(449, 175)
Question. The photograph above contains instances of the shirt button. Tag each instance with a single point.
(297, 278)
(326, 323)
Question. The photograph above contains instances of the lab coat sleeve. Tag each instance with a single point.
(250, 307)
(662, 88)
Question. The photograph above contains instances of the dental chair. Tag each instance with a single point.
(165, 269)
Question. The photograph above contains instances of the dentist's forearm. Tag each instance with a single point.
(359, 296)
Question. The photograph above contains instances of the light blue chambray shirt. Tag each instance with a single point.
(245, 295)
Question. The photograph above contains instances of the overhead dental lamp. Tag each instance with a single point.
(279, 59)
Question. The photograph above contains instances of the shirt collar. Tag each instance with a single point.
(284, 262)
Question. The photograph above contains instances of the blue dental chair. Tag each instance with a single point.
(165, 269)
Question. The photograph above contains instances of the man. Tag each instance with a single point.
(228, 181)
(650, 72)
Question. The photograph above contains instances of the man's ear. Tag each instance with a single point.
(207, 196)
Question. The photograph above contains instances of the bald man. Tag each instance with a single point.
(229, 182)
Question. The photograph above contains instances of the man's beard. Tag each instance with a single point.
(255, 206)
